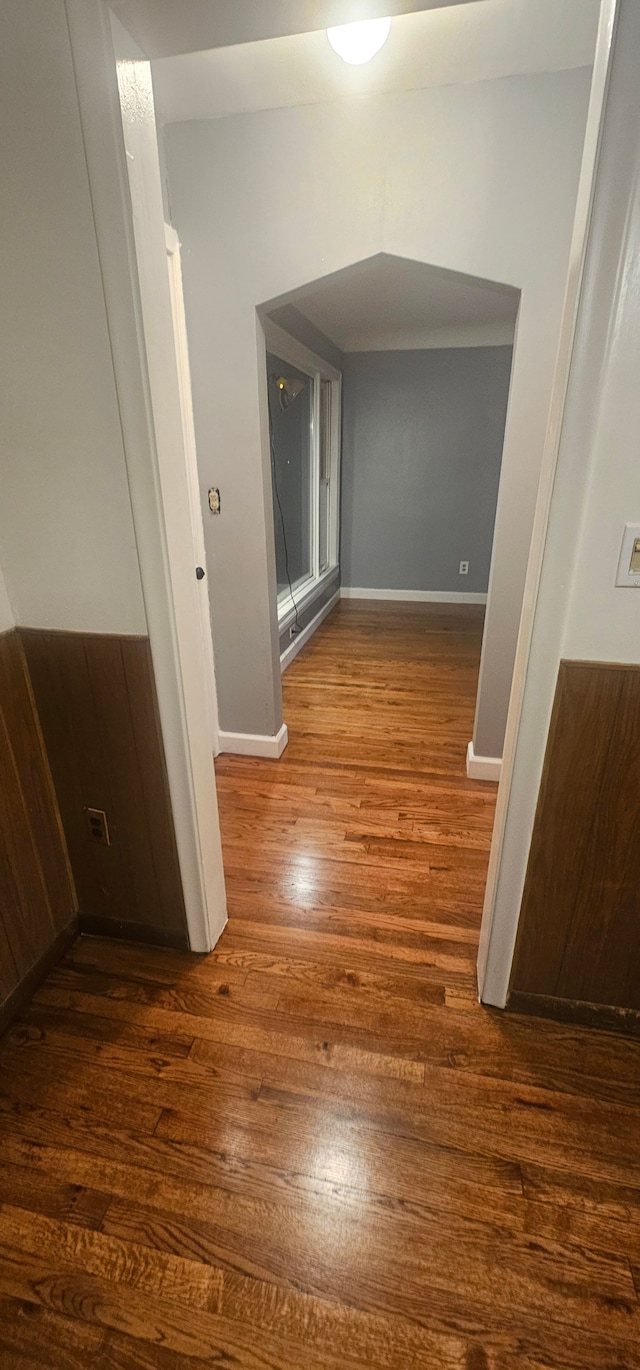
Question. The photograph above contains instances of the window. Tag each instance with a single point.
(304, 430)
(324, 474)
(291, 419)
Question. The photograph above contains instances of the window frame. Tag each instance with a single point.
(281, 344)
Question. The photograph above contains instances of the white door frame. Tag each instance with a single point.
(132, 252)
(505, 881)
(174, 264)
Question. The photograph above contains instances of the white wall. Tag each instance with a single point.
(444, 46)
(603, 620)
(66, 531)
(580, 613)
(479, 178)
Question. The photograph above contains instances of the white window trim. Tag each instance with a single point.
(290, 350)
(304, 597)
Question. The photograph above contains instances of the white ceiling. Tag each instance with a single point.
(389, 302)
(479, 40)
(165, 27)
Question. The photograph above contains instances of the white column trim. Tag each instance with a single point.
(254, 744)
(483, 767)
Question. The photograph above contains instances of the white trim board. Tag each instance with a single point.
(422, 596)
(180, 692)
(174, 265)
(483, 767)
(304, 600)
(298, 642)
(254, 744)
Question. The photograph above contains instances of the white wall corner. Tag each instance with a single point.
(255, 744)
(483, 767)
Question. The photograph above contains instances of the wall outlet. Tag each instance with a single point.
(213, 498)
(464, 568)
(98, 826)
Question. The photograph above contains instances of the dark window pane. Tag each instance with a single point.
(291, 416)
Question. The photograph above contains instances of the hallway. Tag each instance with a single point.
(313, 1148)
(367, 827)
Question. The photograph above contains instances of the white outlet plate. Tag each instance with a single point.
(624, 575)
(464, 568)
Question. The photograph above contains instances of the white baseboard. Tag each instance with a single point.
(421, 596)
(297, 643)
(305, 600)
(483, 767)
(254, 744)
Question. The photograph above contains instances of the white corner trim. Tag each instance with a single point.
(422, 596)
(483, 767)
(298, 642)
(255, 744)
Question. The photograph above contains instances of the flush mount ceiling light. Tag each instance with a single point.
(358, 43)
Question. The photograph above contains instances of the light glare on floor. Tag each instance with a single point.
(358, 43)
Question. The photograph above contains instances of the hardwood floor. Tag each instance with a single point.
(313, 1149)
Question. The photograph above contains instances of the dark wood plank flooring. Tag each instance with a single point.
(313, 1149)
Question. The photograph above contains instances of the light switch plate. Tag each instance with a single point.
(628, 554)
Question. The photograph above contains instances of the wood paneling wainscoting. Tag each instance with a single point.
(37, 899)
(578, 950)
(97, 702)
(79, 729)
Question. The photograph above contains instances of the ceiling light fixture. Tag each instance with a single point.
(358, 43)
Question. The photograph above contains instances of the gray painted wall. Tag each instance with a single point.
(421, 453)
